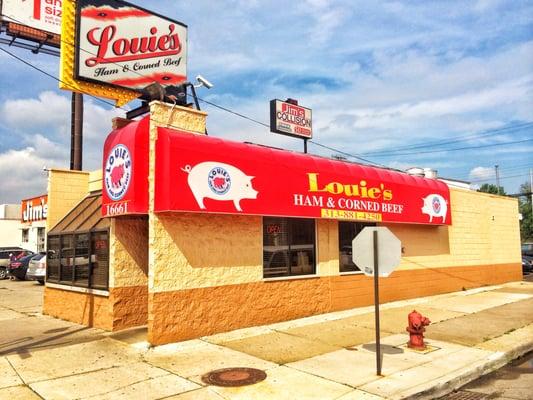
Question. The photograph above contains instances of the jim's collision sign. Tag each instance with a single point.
(123, 45)
(290, 119)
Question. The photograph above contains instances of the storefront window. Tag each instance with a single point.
(25, 236)
(52, 258)
(288, 247)
(67, 258)
(347, 232)
(80, 259)
(100, 260)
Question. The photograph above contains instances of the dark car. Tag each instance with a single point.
(527, 249)
(527, 264)
(17, 269)
(9, 254)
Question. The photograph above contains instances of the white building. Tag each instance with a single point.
(10, 225)
(32, 234)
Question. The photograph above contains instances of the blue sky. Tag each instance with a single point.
(379, 76)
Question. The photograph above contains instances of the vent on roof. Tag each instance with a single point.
(423, 172)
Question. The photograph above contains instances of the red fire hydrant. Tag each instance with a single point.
(416, 330)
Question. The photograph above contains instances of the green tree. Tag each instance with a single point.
(490, 188)
(526, 224)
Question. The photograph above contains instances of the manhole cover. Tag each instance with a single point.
(234, 377)
(466, 395)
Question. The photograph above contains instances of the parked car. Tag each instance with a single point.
(17, 268)
(527, 264)
(37, 269)
(8, 254)
(527, 249)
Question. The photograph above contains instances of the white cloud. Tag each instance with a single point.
(481, 173)
(47, 109)
(22, 174)
(43, 124)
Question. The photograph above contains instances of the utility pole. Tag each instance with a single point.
(531, 188)
(497, 177)
(76, 132)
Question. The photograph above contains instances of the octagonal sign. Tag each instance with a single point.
(389, 251)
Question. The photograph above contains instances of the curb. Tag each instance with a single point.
(499, 360)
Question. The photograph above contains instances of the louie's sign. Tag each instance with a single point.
(197, 173)
(123, 45)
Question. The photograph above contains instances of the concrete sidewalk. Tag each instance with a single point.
(329, 356)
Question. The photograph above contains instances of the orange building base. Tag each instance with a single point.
(187, 314)
(125, 307)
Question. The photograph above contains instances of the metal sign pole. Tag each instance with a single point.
(376, 304)
(76, 132)
(305, 146)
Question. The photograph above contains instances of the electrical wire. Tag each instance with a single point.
(501, 178)
(52, 76)
(464, 138)
(390, 153)
(458, 148)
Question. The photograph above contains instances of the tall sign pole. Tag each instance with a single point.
(531, 190)
(376, 257)
(497, 171)
(76, 132)
(376, 303)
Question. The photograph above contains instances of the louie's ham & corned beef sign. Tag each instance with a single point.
(197, 173)
(123, 45)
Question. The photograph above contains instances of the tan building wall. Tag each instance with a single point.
(128, 271)
(125, 304)
(65, 189)
(194, 274)
(206, 270)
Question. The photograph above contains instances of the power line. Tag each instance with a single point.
(457, 148)
(457, 139)
(74, 45)
(358, 157)
(501, 178)
(52, 76)
(347, 154)
(490, 174)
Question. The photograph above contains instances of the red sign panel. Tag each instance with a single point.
(197, 173)
(125, 170)
(34, 209)
(290, 119)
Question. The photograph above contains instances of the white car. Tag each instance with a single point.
(37, 269)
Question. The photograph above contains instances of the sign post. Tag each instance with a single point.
(378, 252)
(376, 303)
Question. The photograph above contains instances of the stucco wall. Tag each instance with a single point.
(207, 272)
(484, 231)
(128, 271)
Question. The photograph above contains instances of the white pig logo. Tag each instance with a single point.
(435, 206)
(219, 181)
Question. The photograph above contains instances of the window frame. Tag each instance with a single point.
(72, 282)
(289, 274)
(364, 224)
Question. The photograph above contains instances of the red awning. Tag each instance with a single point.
(197, 173)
